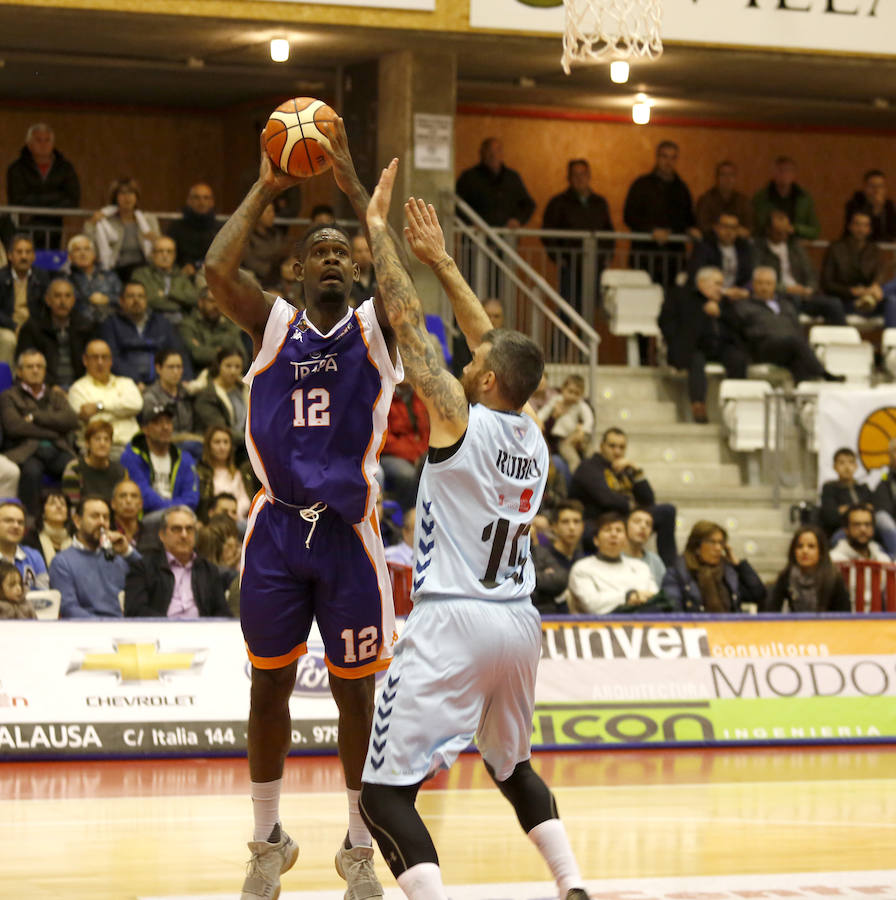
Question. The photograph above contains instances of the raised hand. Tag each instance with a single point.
(336, 146)
(272, 177)
(378, 209)
(423, 232)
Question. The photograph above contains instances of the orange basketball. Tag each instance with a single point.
(874, 437)
(292, 139)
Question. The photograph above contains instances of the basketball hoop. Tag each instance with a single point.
(599, 31)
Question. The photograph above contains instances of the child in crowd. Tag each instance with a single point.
(13, 602)
(568, 421)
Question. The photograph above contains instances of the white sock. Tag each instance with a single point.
(422, 882)
(553, 844)
(265, 807)
(358, 835)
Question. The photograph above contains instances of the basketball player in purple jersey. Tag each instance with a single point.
(321, 383)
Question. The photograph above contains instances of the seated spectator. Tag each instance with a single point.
(365, 284)
(724, 197)
(267, 248)
(780, 249)
(223, 504)
(390, 532)
(697, 333)
(136, 334)
(39, 426)
(638, 529)
(782, 192)
(165, 474)
(175, 582)
(769, 327)
(853, 270)
(123, 233)
(168, 390)
(96, 289)
(322, 214)
(14, 602)
(127, 512)
(51, 534)
(407, 440)
(100, 395)
(205, 331)
(219, 542)
(60, 332)
(94, 474)
(568, 421)
(883, 501)
(194, 232)
(169, 290)
(553, 560)
(90, 574)
(609, 480)
(7, 233)
(220, 476)
(27, 560)
(289, 287)
(225, 401)
(858, 544)
(724, 250)
(23, 287)
(402, 553)
(873, 199)
(708, 577)
(844, 491)
(608, 580)
(810, 582)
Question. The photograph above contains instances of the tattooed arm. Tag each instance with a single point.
(441, 393)
(238, 294)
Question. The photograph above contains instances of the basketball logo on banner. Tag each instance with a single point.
(875, 435)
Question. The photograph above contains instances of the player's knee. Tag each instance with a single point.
(388, 811)
(530, 797)
(271, 688)
(353, 694)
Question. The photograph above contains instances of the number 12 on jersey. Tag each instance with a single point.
(318, 402)
(497, 532)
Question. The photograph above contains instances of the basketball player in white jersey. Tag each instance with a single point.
(465, 665)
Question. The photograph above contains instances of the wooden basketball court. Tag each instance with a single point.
(646, 825)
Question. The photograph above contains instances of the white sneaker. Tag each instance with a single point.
(356, 867)
(267, 864)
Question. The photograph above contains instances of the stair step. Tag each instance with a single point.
(626, 413)
(679, 474)
(657, 450)
(734, 518)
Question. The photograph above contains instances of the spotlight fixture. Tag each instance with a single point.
(619, 71)
(641, 109)
(279, 49)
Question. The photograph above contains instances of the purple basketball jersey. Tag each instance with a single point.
(318, 409)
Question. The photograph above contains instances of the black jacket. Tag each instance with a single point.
(833, 496)
(38, 333)
(839, 600)
(883, 496)
(680, 586)
(566, 210)
(193, 234)
(601, 490)
(150, 584)
(687, 328)
(551, 577)
(653, 202)
(709, 253)
(497, 198)
(883, 225)
(38, 282)
(26, 186)
(755, 321)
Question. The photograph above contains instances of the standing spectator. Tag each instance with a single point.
(609, 480)
(780, 249)
(365, 283)
(14, 603)
(96, 289)
(90, 577)
(165, 474)
(708, 577)
(567, 421)
(123, 233)
(42, 176)
(402, 553)
(578, 208)
(60, 332)
(205, 331)
(135, 335)
(101, 395)
(858, 543)
(554, 560)
(51, 533)
(127, 510)
(220, 476)
(724, 250)
(27, 560)
(873, 199)
(782, 192)
(853, 268)
(268, 246)
(407, 440)
(174, 582)
(810, 582)
(724, 197)
(195, 230)
(638, 529)
(660, 203)
(168, 390)
(169, 289)
(600, 583)
(96, 473)
(696, 333)
(225, 401)
(23, 287)
(39, 426)
(494, 191)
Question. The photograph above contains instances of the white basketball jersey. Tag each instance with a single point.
(474, 510)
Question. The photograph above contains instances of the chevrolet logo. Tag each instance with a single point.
(139, 662)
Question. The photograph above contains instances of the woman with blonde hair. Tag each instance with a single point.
(708, 577)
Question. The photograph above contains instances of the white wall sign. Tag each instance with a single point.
(433, 140)
(848, 26)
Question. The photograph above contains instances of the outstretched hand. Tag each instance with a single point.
(336, 146)
(378, 209)
(273, 177)
(423, 232)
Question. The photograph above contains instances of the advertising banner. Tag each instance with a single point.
(148, 688)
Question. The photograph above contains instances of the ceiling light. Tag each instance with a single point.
(641, 109)
(279, 49)
(619, 71)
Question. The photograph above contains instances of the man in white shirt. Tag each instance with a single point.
(858, 543)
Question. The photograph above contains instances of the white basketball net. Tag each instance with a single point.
(603, 30)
